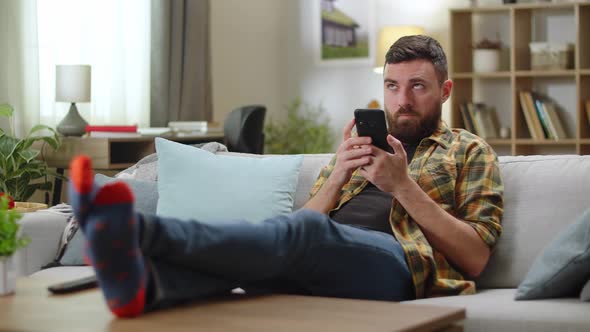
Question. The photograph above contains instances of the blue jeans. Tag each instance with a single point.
(304, 252)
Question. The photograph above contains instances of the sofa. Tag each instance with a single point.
(543, 195)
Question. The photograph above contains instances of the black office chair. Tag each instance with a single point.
(243, 129)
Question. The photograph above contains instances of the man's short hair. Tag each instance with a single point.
(419, 47)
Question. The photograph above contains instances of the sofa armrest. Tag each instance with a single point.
(45, 229)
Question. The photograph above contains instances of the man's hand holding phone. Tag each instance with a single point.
(354, 152)
(387, 168)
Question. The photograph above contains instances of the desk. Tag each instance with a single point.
(33, 308)
(108, 153)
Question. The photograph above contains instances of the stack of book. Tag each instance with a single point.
(187, 128)
(541, 117)
(112, 131)
(480, 119)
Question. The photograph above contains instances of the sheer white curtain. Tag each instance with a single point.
(19, 84)
(113, 36)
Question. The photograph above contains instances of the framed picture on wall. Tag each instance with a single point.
(344, 32)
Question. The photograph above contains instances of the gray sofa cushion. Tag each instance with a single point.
(145, 192)
(495, 310)
(540, 201)
(564, 265)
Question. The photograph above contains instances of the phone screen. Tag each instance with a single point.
(371, 122)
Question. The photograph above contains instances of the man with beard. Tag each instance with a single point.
(385, 226)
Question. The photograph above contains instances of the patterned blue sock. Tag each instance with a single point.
(111, 228)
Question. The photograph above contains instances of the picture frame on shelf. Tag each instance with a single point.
(344, 32)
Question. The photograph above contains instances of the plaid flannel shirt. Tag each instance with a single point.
(460, 172)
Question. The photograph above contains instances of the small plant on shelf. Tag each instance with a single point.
(487, 44)
(486, 55)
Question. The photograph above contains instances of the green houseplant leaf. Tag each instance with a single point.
(10, 241)
(6, 110)
(305, 130)
(22, 174)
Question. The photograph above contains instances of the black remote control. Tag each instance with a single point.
(74, 285)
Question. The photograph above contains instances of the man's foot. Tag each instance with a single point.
(111, 228)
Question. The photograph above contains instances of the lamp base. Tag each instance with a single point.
(73, 124)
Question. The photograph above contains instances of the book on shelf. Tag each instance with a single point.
(485, 122)
(153, 131)
(554, 120)
(480, 119)
(543, 118)
(495, 121)
(530, 101)
(471, 111)
(530, 115)
(188, 126)
(112, 134)
(112, 128)
(467, 121)
(112, 131)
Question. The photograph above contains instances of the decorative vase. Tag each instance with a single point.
(486, 60)
(7, 275)
(72, 124)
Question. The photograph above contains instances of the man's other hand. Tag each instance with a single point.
(387, 171)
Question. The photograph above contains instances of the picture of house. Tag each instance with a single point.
(338, 29)
(339, 33)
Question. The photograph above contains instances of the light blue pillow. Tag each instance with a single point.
(197, 184)
(563, 267)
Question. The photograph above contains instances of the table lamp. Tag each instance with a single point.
(72, 85)
(389, 35)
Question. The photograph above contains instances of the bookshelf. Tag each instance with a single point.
(516, 25)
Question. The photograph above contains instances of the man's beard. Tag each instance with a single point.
(413, 130)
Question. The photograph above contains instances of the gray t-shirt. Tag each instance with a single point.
(371, 207)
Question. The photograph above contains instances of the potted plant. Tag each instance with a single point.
(22, 174)
(486, 55)
(10, 242)
(305, 130)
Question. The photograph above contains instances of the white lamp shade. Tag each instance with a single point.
(72, 83)
(389, 35)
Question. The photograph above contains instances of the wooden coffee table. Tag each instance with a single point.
(33, 308)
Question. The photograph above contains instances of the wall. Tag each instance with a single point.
(247, 47)
(263, 52)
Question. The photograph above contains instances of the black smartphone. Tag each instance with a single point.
(371, 122)
(74, 285)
